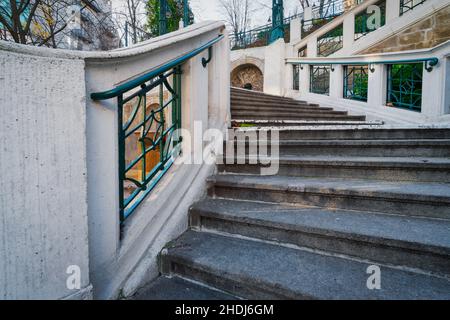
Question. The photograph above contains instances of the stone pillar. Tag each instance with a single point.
(336, 81)
(392, 10)
(349, 31)
(274, 67)
(296, 30)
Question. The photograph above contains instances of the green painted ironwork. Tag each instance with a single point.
(330, 42)
(430, 63)
(356, 81)
(186, 18)
(319, 80)
(258, 37)
(329, 9)
(408, 5)
(277, 31)
(163, 10)
(404, 86)
(149, 116)
(365, 22)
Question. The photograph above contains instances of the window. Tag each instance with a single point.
(356, 79)
(319, 80)
(405, 86)
(365, 24)
(330, 42)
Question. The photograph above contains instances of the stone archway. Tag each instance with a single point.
(247, 76)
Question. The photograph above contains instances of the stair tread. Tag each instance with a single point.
(409, 232)
(175, 288)
(299, 273)
(427, 162)
(419, 191)
(364, 142)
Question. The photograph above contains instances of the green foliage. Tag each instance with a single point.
(174, 15)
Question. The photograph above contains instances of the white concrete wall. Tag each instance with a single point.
(127, 264)
(43, 182)
(59, 197)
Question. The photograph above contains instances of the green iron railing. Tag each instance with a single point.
(258, 37)
(330, 42)
(319, 81)
(408, 5)
(405, 83)
(149, 115)
(356, 82)
(362, 25)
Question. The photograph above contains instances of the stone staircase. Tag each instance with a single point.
(346, 197)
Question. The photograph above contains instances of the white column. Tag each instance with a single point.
(219, 85)
(296, 30)
(274, 67)
(376, 96)
(349, 31)
(392, 10)
(307, 14)
(336, 81)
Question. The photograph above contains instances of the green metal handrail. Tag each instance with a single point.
(148, 136)
(130, 85)
(430, 62)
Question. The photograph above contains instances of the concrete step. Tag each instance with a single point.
(269, 107)
(389, 239)
(285, 126)
(257, 270)
(269, 102)
(175, 288)
(430, 200)
(374, 168)
(285, 112)
(257, 94)
(292, 116)
(353, 133)
(359, 148)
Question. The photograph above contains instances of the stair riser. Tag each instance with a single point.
(293, 109)
(368, 134)
(355, 201)
(286, 136)
(352, 172)
(247, 97)
(376, 250)
(362, 150)
(239, 287)
(269, 111)
(271, 104)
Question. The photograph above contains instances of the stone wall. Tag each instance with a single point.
(427, 33)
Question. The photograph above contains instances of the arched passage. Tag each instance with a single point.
(248, 76)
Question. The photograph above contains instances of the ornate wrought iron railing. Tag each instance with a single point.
(404, 89)
(319, 81)
(356, 82)
(404, 81)
(149, 114)
(259, 37)
(330, 42)
(328, 10)
(408, 5)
